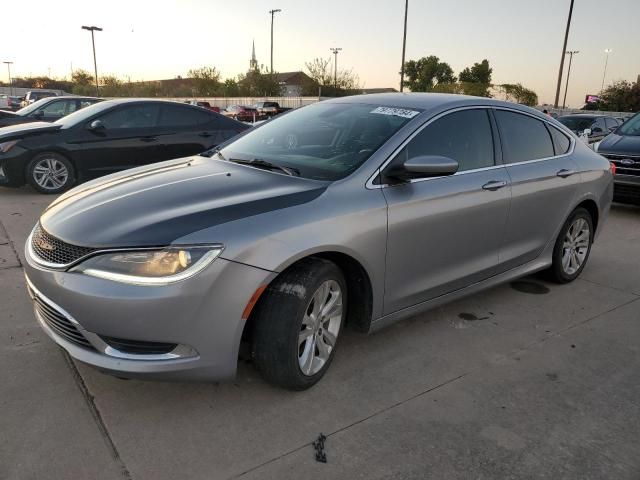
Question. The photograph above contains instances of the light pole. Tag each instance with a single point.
(404, 43)
(606, 61)
(571, 53)
(564, 49)
(335, 51)
(10, 82)
(93, 43)
(272, 12)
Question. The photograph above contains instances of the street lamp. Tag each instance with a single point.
(607, 51)
(10, 82)
(272, 12)
(571, 53)
(335, 51)
(93, 43)
(564, 49)
(404, 44)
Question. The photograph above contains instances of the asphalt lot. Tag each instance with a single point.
(528, 380)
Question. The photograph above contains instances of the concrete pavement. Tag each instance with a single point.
(529, 380)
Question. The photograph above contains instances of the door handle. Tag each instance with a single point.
(564, 173)
(494, 185)
(149, 139)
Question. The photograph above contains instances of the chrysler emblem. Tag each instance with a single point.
(627, 161)
(44, 245)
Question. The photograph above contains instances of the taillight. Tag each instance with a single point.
(612, 167)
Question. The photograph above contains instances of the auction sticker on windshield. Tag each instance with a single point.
(396, 112)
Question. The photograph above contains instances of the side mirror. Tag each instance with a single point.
(424, 166)
(96, 126)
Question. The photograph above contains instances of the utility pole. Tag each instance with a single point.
(335, 51)
(93, 43)
(607, 51)
(404, 44)
(10, 82)
(571, 53)
(564, 49)
(272, 12)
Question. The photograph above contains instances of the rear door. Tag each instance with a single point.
(445, 233)
(129, 139)
(544, 181)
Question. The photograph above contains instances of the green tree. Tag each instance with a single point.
(258, 82)
(230, 88)
(426, 73)
(476, 80)
(82, 77)
(515, 91)
(620, 96)
(207, 81)
(322, 74)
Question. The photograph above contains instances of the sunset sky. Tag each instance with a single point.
(146, 40)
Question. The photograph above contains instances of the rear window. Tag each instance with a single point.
(560, 141)
(523, 137)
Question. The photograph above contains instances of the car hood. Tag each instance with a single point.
(27, 129)
(620, 145)
(155, 205)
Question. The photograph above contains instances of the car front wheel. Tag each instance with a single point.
(298, 322)
(50, 172)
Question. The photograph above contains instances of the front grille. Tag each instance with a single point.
(138, 347)
(58, 322)
(52, 250)
(623, 164)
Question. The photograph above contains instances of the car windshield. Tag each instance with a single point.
(630, 127)
(321, 141)
(33, 107)
(577, 124)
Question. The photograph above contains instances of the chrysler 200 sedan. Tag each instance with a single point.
(354, 212)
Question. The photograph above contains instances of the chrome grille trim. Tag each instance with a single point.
(50, 252)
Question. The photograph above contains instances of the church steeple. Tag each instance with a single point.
(253, 63)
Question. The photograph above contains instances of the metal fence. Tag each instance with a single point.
(569, 111)
(224, 102)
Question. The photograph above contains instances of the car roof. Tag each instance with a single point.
(123, 101)
(430, 101)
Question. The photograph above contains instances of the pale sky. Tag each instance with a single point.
(146, 40)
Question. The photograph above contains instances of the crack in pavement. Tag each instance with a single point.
(95, 413)
(511, 354)
(4, 232)
(609, 286)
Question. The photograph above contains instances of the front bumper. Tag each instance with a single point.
(627, 187)
(202, 316)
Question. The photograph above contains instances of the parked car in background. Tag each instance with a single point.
(241, 113)
(5, 102)
(107, 137)
(269, 109)
(360, 211)
(593, 127)
(15, 103)
(622, 148)
(203, 104)
(35, 95)
(49, 109)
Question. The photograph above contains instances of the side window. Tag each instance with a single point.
(464, 136)
(58, 108)
(523, 138)
(560, 141)
(599, 123)
(177, 116)
(132, 116)
(611, 123)
(85, 103)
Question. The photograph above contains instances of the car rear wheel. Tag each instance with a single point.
(572, 247)
(50, 172)
(298, 322)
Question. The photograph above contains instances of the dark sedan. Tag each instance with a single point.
(107, 137)
(594, 127)
(48, 109)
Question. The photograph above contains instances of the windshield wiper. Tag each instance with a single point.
(212, 152)
(259, 163)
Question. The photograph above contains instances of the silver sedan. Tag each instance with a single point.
(355, 212)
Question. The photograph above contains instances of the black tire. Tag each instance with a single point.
(279, 322)
(557, 272)
(53, 185)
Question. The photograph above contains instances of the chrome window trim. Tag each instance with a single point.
(180, 351)
(370, 185)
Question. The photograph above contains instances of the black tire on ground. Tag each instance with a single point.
(51, 186)
(278, 322)
(557, 272)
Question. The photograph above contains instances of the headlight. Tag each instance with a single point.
(150, 267)
(6, 146)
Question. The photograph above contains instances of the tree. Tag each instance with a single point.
(258, 82)
(207, 81)
(321, 72)
(426, 73)
(519, 93)
(111, 87)
(81, 77)
(621, 96)
(230, 88)
(477, 79)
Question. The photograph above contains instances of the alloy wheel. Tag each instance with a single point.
(575, 246)
(320, 327)
(50, 174)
